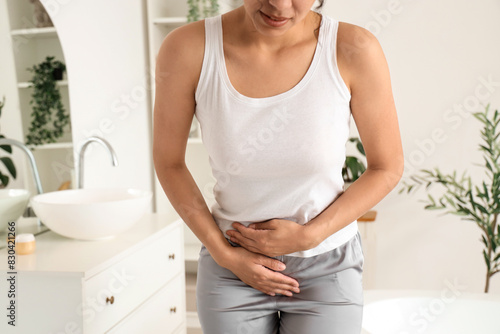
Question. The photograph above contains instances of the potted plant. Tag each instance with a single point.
(353, 167)
(48, 117)
(6, 161)
(202, 8)
(475, 201)
(58, 71)
(352, 170)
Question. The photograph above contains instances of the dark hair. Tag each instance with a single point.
(321, 3)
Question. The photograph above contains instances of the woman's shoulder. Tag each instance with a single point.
(187, 38)
(183, 49)
(352, 33)
(355, 43)
(358, 52)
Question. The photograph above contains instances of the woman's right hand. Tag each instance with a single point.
(260, 272)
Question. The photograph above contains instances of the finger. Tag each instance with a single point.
(243, 237)
(277, 276)
(261, 226)
(282, 279)
(271, 263)
(280, 288)
(235, 225)
(248, 233)
(275, 284)
(284, 292)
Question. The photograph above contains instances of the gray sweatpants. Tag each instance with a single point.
(330, 299)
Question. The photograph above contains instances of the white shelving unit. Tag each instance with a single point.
(40, 32)
(31, 45)
(170, 21)
(60, 83)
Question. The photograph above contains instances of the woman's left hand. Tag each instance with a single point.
(274, 237)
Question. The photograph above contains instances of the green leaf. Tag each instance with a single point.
(490, 230)
(10, 166)
(487, 260)
(4, 179)
(482, 209)
(487, 149)
(486, 191)
(360, 148)
(6, 148)
(426, 171)
(479, 116)
(496, 257)
(485, 241)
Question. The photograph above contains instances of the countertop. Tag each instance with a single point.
(56, 253)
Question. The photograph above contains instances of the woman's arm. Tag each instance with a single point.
(364, 68)
(374, 111)
(178, 67)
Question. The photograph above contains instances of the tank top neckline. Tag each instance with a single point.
(274, 98)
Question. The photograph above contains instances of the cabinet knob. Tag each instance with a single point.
(173, 309)
(110, 300)
(171, 256)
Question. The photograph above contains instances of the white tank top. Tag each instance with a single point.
(278, 156)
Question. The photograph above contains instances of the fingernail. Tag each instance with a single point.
(282, 266)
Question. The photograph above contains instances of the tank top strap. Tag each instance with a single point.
(330, 27)
(213, 39)
(213, 32)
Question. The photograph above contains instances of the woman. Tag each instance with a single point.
(273, 84)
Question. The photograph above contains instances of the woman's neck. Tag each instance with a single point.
(239, 28)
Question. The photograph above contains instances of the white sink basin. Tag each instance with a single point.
(91, 214)
(12, 205)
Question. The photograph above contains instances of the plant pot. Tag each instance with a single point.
(41, 18)
(57, 74)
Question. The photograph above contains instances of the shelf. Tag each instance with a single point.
(368, 217)
(29, 84)
(170, 20)
(35, 32)
(51, 146)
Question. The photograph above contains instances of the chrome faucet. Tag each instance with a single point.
(36, 176)
(81, 155)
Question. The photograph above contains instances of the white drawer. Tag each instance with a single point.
(162, 313)
(112, 294)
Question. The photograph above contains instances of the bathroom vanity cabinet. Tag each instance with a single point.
(132, 283)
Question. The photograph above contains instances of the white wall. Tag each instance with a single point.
(104, 45)
(438, 53)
